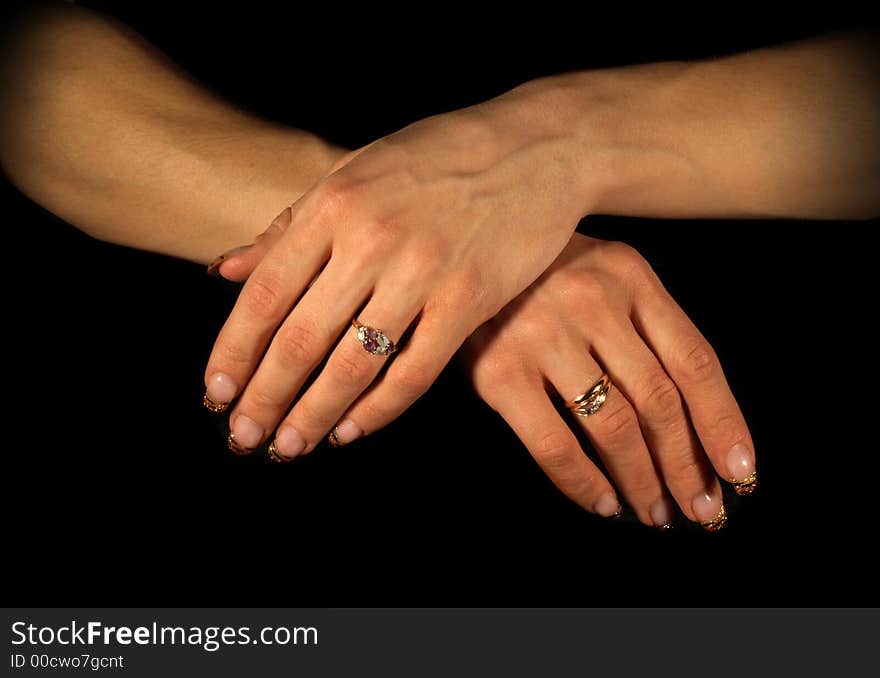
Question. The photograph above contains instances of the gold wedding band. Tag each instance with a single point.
(589, 403)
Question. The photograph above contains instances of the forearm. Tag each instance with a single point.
(789, 131)
(99, 128)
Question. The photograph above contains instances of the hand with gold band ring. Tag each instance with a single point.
(588, 403)
(664, 432)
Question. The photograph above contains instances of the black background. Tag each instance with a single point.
(119, 489)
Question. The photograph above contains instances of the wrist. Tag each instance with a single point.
(625, 148)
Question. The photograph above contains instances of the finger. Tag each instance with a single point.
(264, 302)
(299, 345)
(677, 454)
(236, 265)
(529, 412)
(348, 157)
(351, 368)
(433, 343)
(693, 365)
(615, 433)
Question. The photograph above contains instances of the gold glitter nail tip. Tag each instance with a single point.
(333, 439)
(747, 485)
(234, 447)
(214, 267)
(213, 405)
(272, 453)
(717, 523)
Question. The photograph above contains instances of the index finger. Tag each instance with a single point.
(265, 300)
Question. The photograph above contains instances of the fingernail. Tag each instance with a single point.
(214, 266)
(709, 511)
(272, 453)
(608, 506)
(278, 225)
(661, 514)
(344, 432)
(233, 445)
(288, 443)
(220, 392)
(741, 469)
(246, 433)
(282, 220)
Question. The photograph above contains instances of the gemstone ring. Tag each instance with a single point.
(374, 341)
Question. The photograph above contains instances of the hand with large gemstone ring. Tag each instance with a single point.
(428, 232)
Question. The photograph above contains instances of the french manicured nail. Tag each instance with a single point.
(741, 469)
(220, 392)
(344, 432)
(245, 435)
(281, 221)
(288, 442)
(608, 506)
(233, 445)
(214, 266)
(709, 511)
(661, 514)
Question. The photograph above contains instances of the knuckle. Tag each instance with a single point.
(726, 427)
(584, 289)
(261, 399)
(332, 201)
(385, 232)
(699, 361)
(617, 423)
(370, 241)
(262, 294)
(495, 376)
(535, 328)
(425, 261)
(685, 468)
(309, 418)
(298, 346)
(232, 353)
(641, 478)
(465, 294)
(373, 413)
(660, 401)
(412, 379)
(556, 450)
(471, 289)
(589, 483)
(351, 368)
(626, 260)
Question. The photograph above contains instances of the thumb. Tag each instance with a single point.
(238, 263)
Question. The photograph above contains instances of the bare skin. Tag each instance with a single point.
(669, 425)
(104, 131)
(438, 227)
(180, 172)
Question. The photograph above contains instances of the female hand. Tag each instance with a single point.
(670, 421)
(430, 229)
